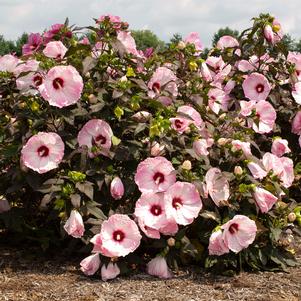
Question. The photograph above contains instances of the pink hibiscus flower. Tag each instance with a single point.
(150, 208)
(158, 267)
(256, 87)
(217, 100)
(62, 86)
(264, 199)
(201, 146)
(280, 147)
(55, 49)
(109, 271)
(227, 42)
(43, 152)
(128, 42)
(74, 226)
(296, 92)
(239, 233)
(296, 124)
(33, 44)
(216, 244)
(245, 147)
(217, 186)
(90, 264)
(8, 63)
(155, 175)
(117, 188)
(194, 38)
(183, 203)
(97, 135)
(119, 235)
(163, 80)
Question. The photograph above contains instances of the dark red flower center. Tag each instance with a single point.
(259, 88)
(38, 80)
(177, 203)
(43, 151)
(58, 83)
(100, 139)
(178, 123)
(233, 228)
(156, 210)
(298, 72)
(158, 178)
(118, 235)
(156, 87)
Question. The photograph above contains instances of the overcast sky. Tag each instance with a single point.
(164, 17)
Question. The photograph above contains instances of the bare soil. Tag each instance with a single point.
(26, 276)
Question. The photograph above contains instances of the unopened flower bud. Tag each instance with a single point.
(186, 165)
(291, 217)
(222, 141)
(117, 188)
(171, 242)
(181, 45)
(238, 170)
(92, 99)
(157, 149)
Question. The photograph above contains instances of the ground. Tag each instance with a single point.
(24, 276)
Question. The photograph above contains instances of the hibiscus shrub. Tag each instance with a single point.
(153, 159)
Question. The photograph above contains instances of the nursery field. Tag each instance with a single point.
(59, 279)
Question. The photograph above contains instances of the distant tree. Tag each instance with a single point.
(224, 32)
(146, 39)
(7, 46)
(298, 46)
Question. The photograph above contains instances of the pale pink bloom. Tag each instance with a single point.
(296, 124)
(220, 68)
(217, 185)
(43, 152)
(194, 38)
(230, 85)
(142, 116)
(264, 199)
(97, 135)
(27, 66)
(246, 107)
(119, 235)
(280, 147)
(183, 203)
(158, 267)
(245, 66)
(116, 20)
(295, 58)
(256, 170)
(157, 149)
(155, 175)
(205, 72)
(218, 100)
(245, 147)
(74, 225)
(256, 87)
(266, 115)
(149, 232)
(287, 175)
(97, 243)
(4, 205)
(282, 167)
(227, 42)
(33, 44)
(268, 33)
(90, 264)
(180, 124)
(201, 146)
(191, 114)
(117, 188)
(8, 63)
(55, 49)
(216, 244)
(171, 228)
(239, 233)
(296, 92)
(150, 209)
(163, 80)
(128, 42)
(110, 271)
(63, 86)
(84, 41)
(277, 32)
(254, 63)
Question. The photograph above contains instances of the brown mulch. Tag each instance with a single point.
(26, 276)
